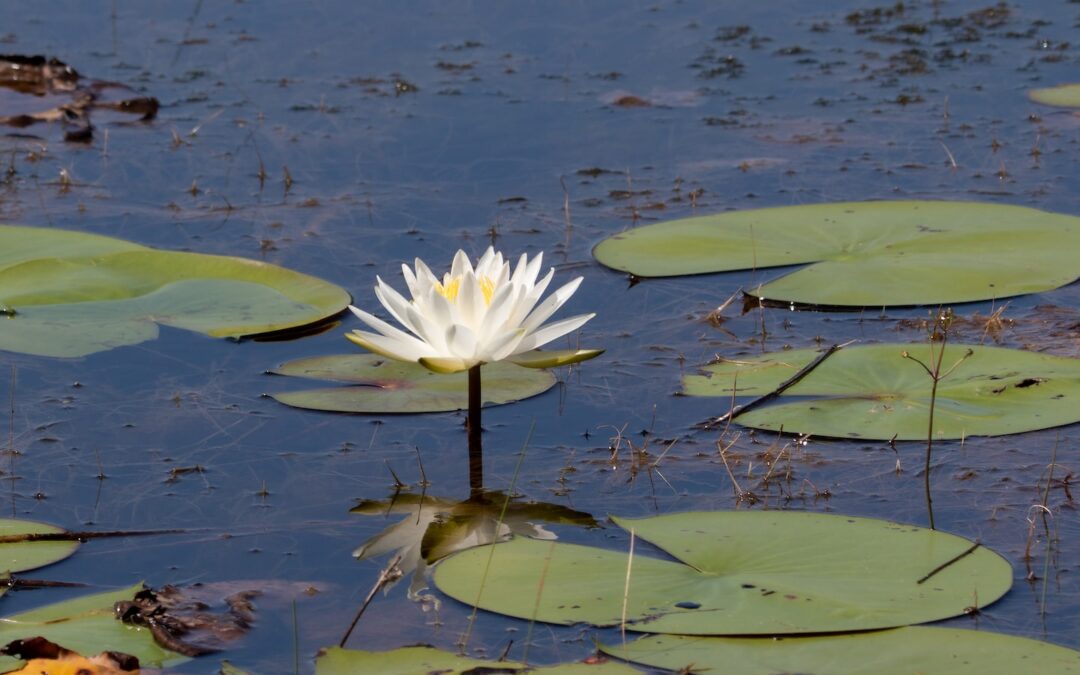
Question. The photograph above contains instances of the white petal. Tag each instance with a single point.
(487, 262)
(502, 303)
(470, 301)
(461, 342)
(424, 275)
(504, 345)
(394, 302)
(389, 347)
(526, 303)
(552, 331)
(386, 329)
(551, 305)
(532, 270)
(410, 280)
(460, 265)
(428, 329)
(518, 277)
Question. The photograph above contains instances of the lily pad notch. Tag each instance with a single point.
(888, 253)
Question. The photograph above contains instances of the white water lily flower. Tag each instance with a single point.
(473, 316)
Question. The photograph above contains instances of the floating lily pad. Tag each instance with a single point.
(865, 254)
(18, 556)
(387, 386)
(872, 391)
(902, 651)
(737, 573)
(1065, 95)
(422, 659)
(86, 625)
(71, 293)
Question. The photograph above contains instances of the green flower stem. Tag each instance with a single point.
(476, 457)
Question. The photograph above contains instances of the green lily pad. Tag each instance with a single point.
(86, 625)
(70, 293)
(387, 386)
(18, 556)
(872, 391)
(423, 659)
(865, 254)
(1065, 95)
(737, 573)
(902, 651)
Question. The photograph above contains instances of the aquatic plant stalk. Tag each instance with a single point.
(476, 453)
(939, 329)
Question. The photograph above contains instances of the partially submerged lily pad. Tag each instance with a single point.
(1064, 95)
(383, 385)
(884, 253)
(86, 625)
(872, 391)
(17, 556)
(70, 293)
(424, 659)
(737, 573)
(902, 651)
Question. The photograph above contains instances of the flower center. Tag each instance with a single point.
(450, 289)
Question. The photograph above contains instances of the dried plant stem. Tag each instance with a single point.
(930, 444)
(536, 605)
(784, 386)
(389, 574)
(626, 588)
(938, 330)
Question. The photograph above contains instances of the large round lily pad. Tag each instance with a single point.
(71, 293)
(422, 659)
(1064, 95)
(17, 556)
(382, 385)
(902, 651)
(872, 391)
(86, 625)
(865, 254)
(737, 573)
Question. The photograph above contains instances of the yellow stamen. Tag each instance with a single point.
(450, 290)
(487, 287)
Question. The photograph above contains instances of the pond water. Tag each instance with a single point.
(385, 131)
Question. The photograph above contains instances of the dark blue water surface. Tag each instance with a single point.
(505, 104)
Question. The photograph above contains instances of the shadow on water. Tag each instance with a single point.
(342, 139)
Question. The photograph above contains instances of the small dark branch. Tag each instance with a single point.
(80, 536)
(389, 574)
(787, 384)
(949, 562)
(925, 367)
(398, 485)
(420, 463)
(18, 583)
